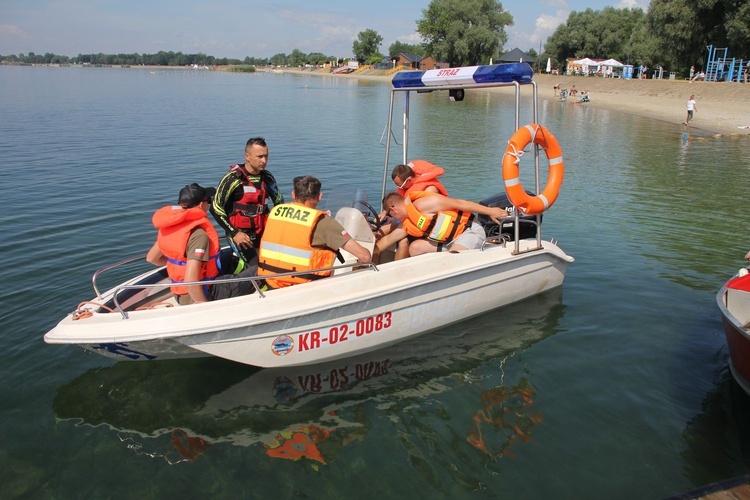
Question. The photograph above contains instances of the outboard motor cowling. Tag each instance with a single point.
(527, 223)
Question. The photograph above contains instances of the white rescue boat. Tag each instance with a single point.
(359, 308)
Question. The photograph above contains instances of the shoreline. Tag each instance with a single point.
(721, 107)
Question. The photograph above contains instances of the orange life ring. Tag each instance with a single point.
(526, 203)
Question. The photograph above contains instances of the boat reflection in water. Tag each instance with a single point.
(181, 408)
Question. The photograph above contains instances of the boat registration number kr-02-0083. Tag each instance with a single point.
(316, 339)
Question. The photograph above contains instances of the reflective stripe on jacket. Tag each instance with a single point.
(442, 227)
(286, 246)
(175, 225)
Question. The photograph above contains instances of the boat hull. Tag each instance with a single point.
(329, 319)
(734, 304)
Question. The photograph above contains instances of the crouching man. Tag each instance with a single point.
(433, 222)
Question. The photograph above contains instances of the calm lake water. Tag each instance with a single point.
(615, 385)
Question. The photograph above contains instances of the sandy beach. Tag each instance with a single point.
(720, 107)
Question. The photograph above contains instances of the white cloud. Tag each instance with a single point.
(544, 26)
(562, 4)
(9, 31)
(629, 4)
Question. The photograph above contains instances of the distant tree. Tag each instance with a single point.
(609, 33)
(297, 58)
(366, 45)
(464, 32)
(684, 28)
(279, 59)
(316, 58)
(737, 25)
(397, 48)
(375, 58)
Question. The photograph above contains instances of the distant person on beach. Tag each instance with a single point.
(573, 90)
(557, 87)
(692, 72)
(301, 238)
(699, 77)
(240, 205)
(188, 244)
(690, 109)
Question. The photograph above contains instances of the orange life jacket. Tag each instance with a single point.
(425, 175)
(175, 225)
(442, 227)
(287, 246)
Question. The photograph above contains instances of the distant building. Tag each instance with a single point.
(514, 56)
(417, 62)
(408, 60)
(429, 63)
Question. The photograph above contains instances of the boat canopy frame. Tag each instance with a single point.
(455, 81)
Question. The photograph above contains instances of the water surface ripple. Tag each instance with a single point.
(615, 385)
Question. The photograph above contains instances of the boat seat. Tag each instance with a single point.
(134, 298)
(358, 228)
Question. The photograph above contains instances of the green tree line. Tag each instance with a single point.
(161, 58)
(673, 34)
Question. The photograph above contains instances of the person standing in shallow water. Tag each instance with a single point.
(690, 109)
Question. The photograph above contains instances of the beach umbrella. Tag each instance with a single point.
(549, 64)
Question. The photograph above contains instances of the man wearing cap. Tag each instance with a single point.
(188, 245)
(240, 205)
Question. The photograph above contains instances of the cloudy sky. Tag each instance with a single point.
(239, 28)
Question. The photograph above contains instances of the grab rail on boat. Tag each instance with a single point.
(111, 266)
(255, 279)
(504, 238)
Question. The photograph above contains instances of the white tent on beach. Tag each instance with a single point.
(612, 62)
(585, 61)
(581, 65)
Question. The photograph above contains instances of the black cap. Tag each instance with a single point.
(192, 195)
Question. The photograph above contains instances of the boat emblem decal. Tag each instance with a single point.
(121, 349)
(282, 345)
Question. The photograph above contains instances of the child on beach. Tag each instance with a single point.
(690, 109)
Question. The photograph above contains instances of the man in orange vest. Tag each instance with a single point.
(188, 244)
(433, 222)
(301, 238)
(417, 175)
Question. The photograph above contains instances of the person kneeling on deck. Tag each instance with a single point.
(417, 175)
(188, 244)
(300, 238)
(433, 222)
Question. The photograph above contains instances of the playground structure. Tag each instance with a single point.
(720, 67)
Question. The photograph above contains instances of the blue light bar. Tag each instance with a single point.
(496, 73)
